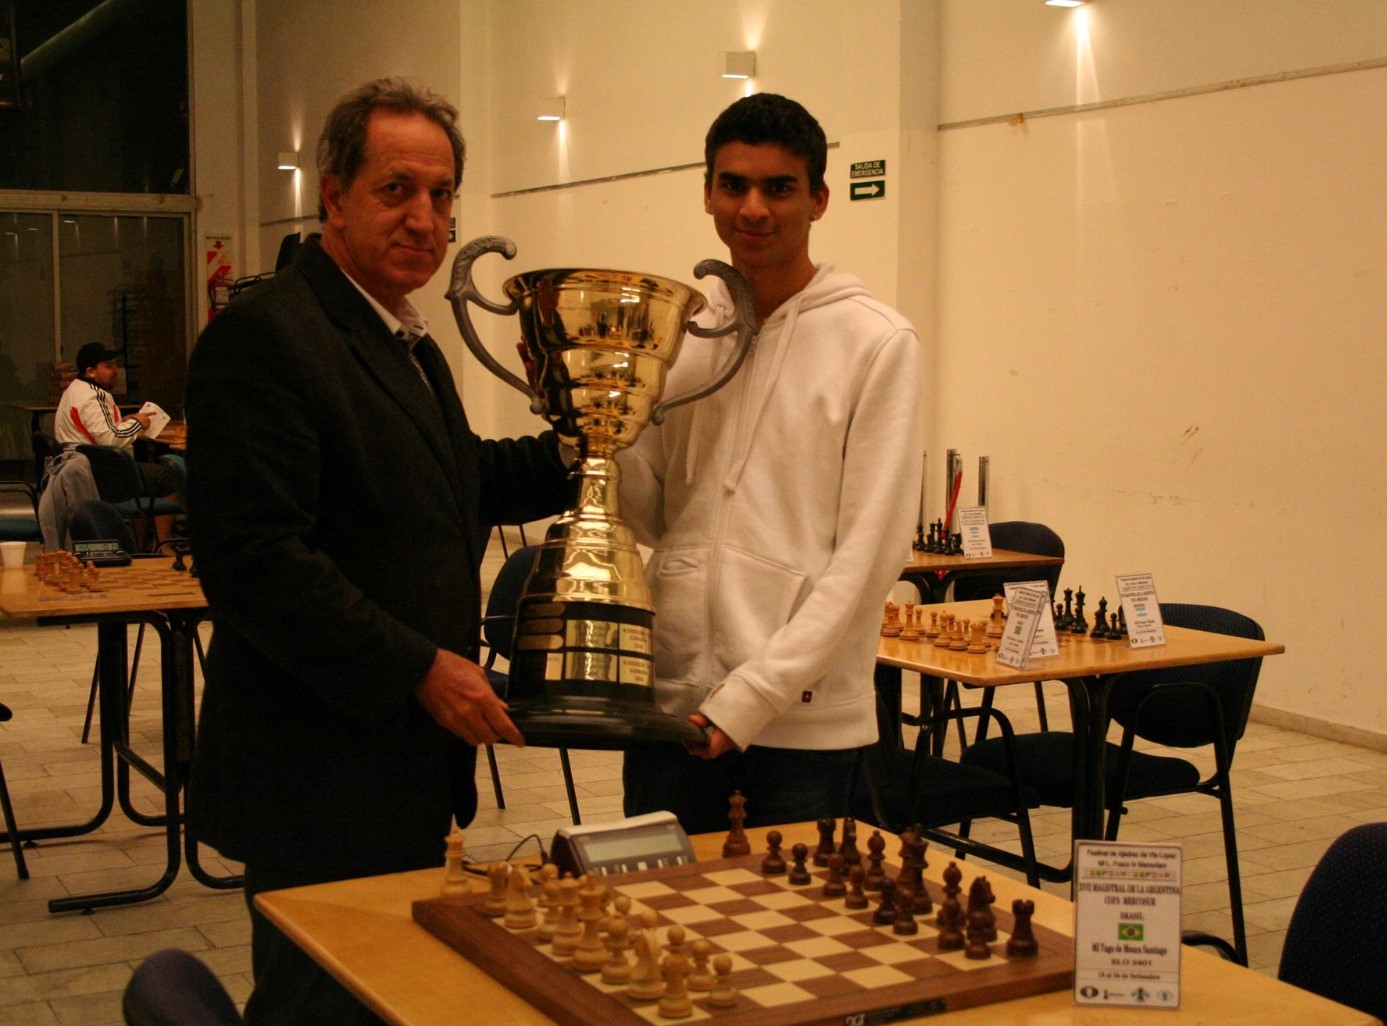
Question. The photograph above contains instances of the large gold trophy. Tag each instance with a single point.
(598, 344)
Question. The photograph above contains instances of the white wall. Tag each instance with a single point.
(1161, 320)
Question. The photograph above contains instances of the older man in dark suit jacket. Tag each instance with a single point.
(339, 504)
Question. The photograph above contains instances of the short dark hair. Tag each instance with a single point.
(342, 146)
(767, 118)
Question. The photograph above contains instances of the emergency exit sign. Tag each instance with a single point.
(867, 180)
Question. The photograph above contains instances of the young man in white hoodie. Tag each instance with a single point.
(780, 508)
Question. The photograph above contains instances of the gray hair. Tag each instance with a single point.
(342, 146)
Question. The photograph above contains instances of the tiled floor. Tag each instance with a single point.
(1294, 794)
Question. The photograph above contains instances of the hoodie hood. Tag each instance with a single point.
(762, 369)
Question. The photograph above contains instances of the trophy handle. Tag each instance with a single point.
(463, 289)
(743, 322)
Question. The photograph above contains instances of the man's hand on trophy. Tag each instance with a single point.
(457, 694)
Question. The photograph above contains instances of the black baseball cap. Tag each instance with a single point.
(93, 353)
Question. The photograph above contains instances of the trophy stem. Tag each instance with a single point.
(582, 669)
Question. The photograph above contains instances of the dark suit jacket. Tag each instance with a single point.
(337, 512)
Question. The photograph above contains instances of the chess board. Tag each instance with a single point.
(799, 959)
(144, 585)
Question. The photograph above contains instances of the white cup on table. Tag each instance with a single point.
(13, 553)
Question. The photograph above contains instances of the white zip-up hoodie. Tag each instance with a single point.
(780, 511)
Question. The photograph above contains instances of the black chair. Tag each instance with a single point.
(119, 482)
(21, 528)
(904, 787)
(1338, 930)
(1016, 536)
(498, 631)
(5, 805)
(173, 988)
(95, 520)
(1180, 707)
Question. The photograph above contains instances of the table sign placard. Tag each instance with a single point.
(1127, 924)
(1046, 642)
(1141, 610)
(1026, 606)
(977, 539)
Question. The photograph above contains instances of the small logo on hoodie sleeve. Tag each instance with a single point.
(806, 697)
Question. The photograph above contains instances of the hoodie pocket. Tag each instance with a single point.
(756, 597)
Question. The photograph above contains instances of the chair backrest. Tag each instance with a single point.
(1017, 536)
(1181, 719)
(45, 447)
(174, 988)
(1338, 930)
(498, 628)
(99, 521)
(114, 470)
(178, 467)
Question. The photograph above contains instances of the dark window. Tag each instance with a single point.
(104, 89)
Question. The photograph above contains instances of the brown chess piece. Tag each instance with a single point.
(736, 843)
(904, 923)
(834, 887)
(876, 854)
(856, 897)
(1021, 943)
(799, 874)
(774, 863)
(847, 847)
(886, 911)
(826, 846)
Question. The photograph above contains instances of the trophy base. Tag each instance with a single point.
(578, 722)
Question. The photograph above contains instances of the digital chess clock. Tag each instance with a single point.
(624, 846)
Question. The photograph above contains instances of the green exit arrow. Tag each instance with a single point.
(866, 190)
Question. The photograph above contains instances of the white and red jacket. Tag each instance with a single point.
(87, 414)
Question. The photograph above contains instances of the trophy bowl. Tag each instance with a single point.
(598, 345)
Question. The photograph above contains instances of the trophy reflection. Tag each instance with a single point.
(599, 344)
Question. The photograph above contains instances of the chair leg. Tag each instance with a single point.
(495, 777)
(568, 785)
(15, 845)
(130, 687)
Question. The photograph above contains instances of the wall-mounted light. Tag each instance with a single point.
(1065, 3)
(739, 65)
(288, 160)
(551, 110)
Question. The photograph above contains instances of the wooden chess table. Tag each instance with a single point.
(363, 933)
(933, 573)
(1088, 669)
(171, 603)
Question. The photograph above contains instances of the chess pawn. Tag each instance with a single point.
(977, 644)
(617, 969)
(932, 631)
(904, 922)
(975, 936)
(856, 897)
(494, 905)
(549, 902)
(876, 854)
(774, 863)
(675, 1002)
(701, 978)
(834, 887)
(885, 914)
(799, 874)
(723, 994)
(567, 930)
(960, 638)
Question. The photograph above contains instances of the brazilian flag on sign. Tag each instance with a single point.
(1131, 931)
